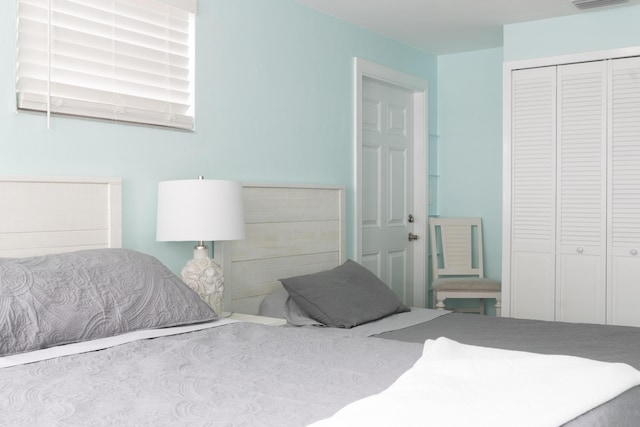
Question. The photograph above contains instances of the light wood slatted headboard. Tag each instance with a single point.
(43, 215)
(290, 230)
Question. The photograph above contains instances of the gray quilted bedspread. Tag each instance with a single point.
(235, 375)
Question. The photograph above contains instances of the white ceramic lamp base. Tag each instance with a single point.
(204, 276)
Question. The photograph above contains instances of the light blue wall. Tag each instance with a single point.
(470, 144)
(591, 31)
(273, 104)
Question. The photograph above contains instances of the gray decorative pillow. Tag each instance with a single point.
(279, 304)
(347, 296)
(79, 296)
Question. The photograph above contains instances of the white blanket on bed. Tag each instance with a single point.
(455, 384)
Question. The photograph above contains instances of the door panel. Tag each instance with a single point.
(624, 193)
(531, 268)
(371, 156)
(581, 189)
(533, 207)
(387, 187)
(397, 187)
(397, 272)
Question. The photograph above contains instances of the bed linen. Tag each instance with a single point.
(279, 304)
(238, 374)
(346, 296)
(103, 343)
(394, 322)
(605, 343)
(449, 374)
(89, 294)
(617, 344)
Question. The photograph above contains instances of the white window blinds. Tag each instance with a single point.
(124, 60)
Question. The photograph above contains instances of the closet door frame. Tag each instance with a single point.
(508, 68)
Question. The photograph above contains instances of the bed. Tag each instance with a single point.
(131, 345)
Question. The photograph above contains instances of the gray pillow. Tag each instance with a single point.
(279, 304)
(347, 296)
(79, 296)
(273, 304)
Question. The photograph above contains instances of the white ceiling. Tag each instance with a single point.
(446, 26)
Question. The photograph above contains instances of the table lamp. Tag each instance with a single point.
(201, 210)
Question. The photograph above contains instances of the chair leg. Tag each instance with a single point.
(439, 303)
(498, 307)
(481, 309)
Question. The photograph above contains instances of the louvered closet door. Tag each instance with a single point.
(581, 189)
(533, 156)
(624, 194)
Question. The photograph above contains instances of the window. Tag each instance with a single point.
(123, 60)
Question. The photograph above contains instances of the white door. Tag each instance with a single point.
(533, 196)
(624, 194)
(387, 184)
(581, 188)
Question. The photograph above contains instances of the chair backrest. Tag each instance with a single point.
(456, 247)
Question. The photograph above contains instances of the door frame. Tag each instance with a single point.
(419, 87)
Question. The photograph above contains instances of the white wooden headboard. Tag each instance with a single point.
(290, 230)
(43, 215)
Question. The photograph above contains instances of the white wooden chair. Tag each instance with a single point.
(456, 252)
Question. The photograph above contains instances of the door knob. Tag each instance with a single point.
(413, 237)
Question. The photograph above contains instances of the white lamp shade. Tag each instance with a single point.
(200, 210)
